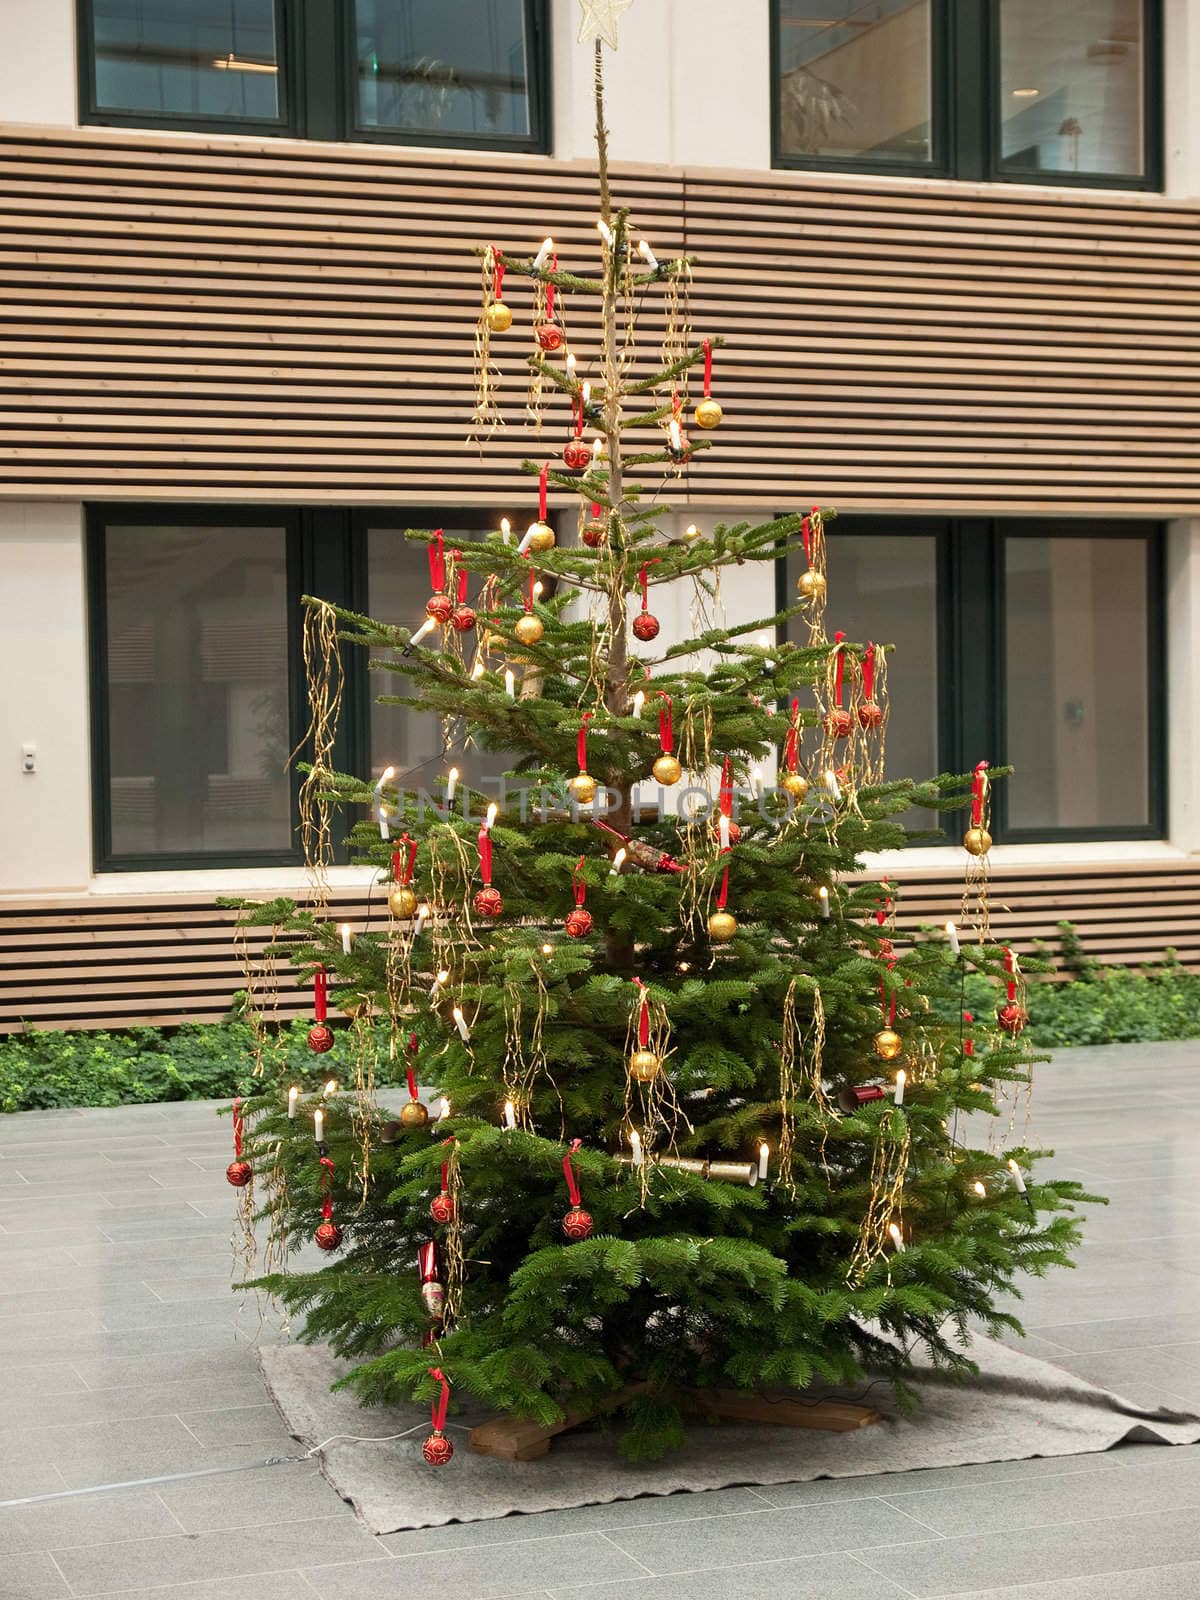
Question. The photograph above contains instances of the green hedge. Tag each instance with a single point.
(1102, 1005)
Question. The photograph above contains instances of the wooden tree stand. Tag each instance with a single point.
(512, 1439)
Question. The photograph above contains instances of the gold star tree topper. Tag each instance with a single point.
(600, 20)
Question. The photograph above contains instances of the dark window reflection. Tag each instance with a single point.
(187, 58)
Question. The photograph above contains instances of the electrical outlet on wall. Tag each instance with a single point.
(29, 758)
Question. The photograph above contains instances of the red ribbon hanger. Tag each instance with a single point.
(577, 882)
(461, 579)
(644, 579)
(888, 1009)
(408, 1071)
(968, 1042)
(326, 1189)
(485, 855)
(442, 1404)
(979, 789)
(868, 672)
(543, 478)
(437, 563)
(581, 741)
(806, 533)
(529, 589)
(238, 1124)
(498, 271)
(839, 668)
(725, 793)
(446, 1169)
(550, 289)
(577, 408)
(1010, 966)
(884, 906)
(707, 368)
(723, 891)
(643, 1029)
(569, 1173)
(402, 870)
(320, 994)
(666, 726)
(791, 743)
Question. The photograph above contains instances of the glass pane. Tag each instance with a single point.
(1077, 682)
(198, 689)
(1071, 86)
(426, 67)
(855, 79)
(187, 58)
(401, 736)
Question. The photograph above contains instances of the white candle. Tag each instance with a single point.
(510, 683)
(571, 366)
(460, 1022)
(505, 529)
(587, 394)
(477, 670)
(384, 831)
(901, 1080)
(422, 917)
(441, 978)
(445, 1111)
(536, 592)
(510, 1115)
(1018, 1179)
(952, 935)
(451, 785)
(764, 1155)
(831, 784)
(525, 542)
(345, 938)
(330, 1088)
(635, 1145)
(765, 644)
(597, 449)
(493, 811)
(980, 1190)
(639, 700)
(293, 1096)
(691, 531)
(756, 781)
(539, 260)
(318, 1124)
(618, 863)
(823, 893)
(385, 776)
(547, 949)
(426, 627)
(897, 1236)
(605, 232)
(647, 255)
(675, 436)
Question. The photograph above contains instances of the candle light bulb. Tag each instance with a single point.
(385, 776)
(538, 586)
(293, 1096)
(510, 1114)
(330, 1088)
(635, 1145)
(477, 670)
(691, 531)
(505, 529)
(345, 938)
(384, 831)
(647, 255)
(597, 449)
(764, 1155)
(675, 436)
(445, 1111)
(980, 1190)
(897, 1236)
(527, 540)
(617, 863)
(952, 935)
(1018, 1177)
(510, 683)
(426, 627)
(605, 232)
(571, 366)
(901, 1080)
(831, 784)
(587, 393)
(756, 780)
(422, 918)
(460, 1022)
(547, 949)
(639, 700)
(493, 811)
(318, 1125)
(543, 255)
(451, 784)
(823, 895)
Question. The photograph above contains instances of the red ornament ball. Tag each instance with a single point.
(1012, 1017)
(439, 607)
(550, 336)
(488, 902)
(735, 833)
(645, 626)
(579, 922)
(437, 1449)
(462, 619)
(870, 714)
(320, 1038)
(838, 722)
(441, 1208)
(577, 1224)
(577, 456)
(238, 1173)
(328, 1236)
(594, 534)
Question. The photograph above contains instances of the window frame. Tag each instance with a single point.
(965, 107)
(317, 86)
(971, 652)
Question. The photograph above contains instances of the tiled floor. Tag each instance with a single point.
(120, 1361)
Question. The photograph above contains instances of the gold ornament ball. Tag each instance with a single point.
(499, 317)
(644, 1065)
(583, 788)
(811, 584)
(796, 785)
(977, 841)
(722, 926)
(541, 536)
(529, 629)
(402, 901)
(888, 1044)
(708, 413)
(667, 770)
(413, 1114)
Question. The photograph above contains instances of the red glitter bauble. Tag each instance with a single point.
(238, 1173)
(735, 833)
(577, 1224)
(441, 1208)
(594, 534)
(488, 902)
(550, 336)
(577, 457)
(838, 722)
(870, 714)
(437, 1449)
(320, 1038)
(439, 607)
(328, 1236)
(1012, 1017)
(462, 619)
(579, 922)
(645, 626)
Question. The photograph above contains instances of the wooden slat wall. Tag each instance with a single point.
(80, 962)
(240, 320)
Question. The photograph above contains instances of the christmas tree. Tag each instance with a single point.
(697, 1117)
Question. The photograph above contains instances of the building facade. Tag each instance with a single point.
(953, 248)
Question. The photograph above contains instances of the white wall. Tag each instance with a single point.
(37, 62)
(1183, 681)
(1181, 26)
(45, 818)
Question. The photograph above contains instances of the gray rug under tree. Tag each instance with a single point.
(1019, 1407)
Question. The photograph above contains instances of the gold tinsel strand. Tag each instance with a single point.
(889, 1165)
(452, 1243)
(533, 398)
(486, 416)
(326, 683)
(652, 1108)
(976, 904)
(362, 1108)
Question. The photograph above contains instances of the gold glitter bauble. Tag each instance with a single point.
(667, 770)
(722, 926)
(413, 1114)
(529, 629)
(402, 901)
(499, 317)
(708, 413)
(811, 584)
(888, 1044)
(977, 841)
(644, 1065)
(583, 788)
(795, 784)
(541, 536)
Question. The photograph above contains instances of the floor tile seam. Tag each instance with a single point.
(776, 1561)
(1080, 1471)
(903, 1588)
(70, 1587)
(1074, 1522)
(157, 1496)
(191, 1533)
(650, 1573)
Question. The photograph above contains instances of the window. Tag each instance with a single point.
(981, 89)
(1032, 644)
(403, 71)
(198, 694)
